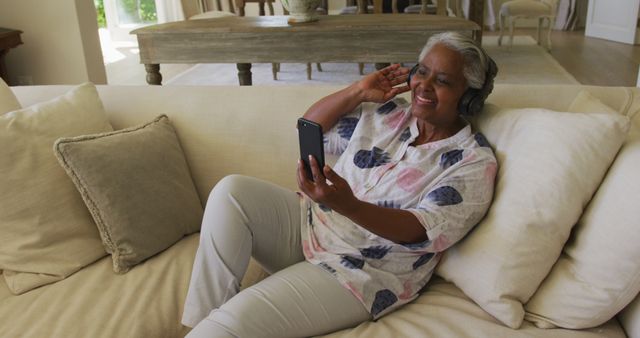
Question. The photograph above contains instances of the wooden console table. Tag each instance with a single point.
(9, 38)
(375, 38)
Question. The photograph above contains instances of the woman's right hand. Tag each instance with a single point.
(382, 85)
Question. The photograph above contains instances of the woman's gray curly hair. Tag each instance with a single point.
(475, 58)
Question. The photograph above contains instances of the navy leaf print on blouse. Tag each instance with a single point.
(324, 208)
(370, 158)
(414, 246)
(352, 262)
(445, 195)
(450, 158)
(482, 141)
(384, 299)
(310, 215)
(327, 267)
(346, 126)
(386, 108)
(375, 252)
(406, 134)
(388, 204)
(422, 260)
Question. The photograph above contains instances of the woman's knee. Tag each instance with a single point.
(228, 185)
(219, 203)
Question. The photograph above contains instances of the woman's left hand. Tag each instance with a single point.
(338, 195)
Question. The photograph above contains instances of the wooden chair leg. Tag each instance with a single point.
(319, 67)
(512, 23)
(539, 30)
(275, 67)
(309, 71)
(361, 68)
(549, 34)
(270, 5)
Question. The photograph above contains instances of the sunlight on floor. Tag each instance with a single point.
(110, 48)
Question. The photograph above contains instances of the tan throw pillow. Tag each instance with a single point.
(46, 230)
(137, 186)
(8, 101)
(598, 273)
(550, 164)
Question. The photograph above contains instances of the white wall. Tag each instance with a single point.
(61, 43)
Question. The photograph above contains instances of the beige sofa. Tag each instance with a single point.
(250, 130)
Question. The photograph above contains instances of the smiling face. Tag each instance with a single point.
(437, 86)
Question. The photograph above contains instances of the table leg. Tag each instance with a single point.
(153, 74)
(244, 73)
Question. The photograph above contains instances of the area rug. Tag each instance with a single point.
(524, 63)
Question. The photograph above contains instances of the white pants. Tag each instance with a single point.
(243, 217)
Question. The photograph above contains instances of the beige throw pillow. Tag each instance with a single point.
(137, 186)
(550, 164)
(598, 273)
(46, 230)
(8, 101)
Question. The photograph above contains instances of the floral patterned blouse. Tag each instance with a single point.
(447, 184)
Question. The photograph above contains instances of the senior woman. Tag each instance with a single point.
(362, 238)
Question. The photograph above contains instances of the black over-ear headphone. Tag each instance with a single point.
(472, 100)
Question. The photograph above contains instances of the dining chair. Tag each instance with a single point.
(323, 9)
(363, 7)
(543, 10)
(199, 9)
(437, 7)
(241, 3)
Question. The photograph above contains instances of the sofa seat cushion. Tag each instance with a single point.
(148, 302)
(444, 311)
(525, 8)
(95, 302)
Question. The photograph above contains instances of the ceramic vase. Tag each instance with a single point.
(301, 10)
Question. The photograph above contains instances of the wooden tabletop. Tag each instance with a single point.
(375, 38)
(326, 23)
(333, 38)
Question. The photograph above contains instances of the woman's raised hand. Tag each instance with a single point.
(384, 84)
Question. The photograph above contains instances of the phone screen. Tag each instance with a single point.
(311, 143)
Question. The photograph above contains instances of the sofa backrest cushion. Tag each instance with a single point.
(550, 164)
(8, 101)
(137, 186)
(598, 273)
(47, 232)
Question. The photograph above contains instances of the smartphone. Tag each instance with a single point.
(311, 143)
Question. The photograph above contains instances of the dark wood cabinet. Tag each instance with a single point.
(9, 38)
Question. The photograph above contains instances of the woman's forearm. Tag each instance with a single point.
(328, 110)
(396, 225)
